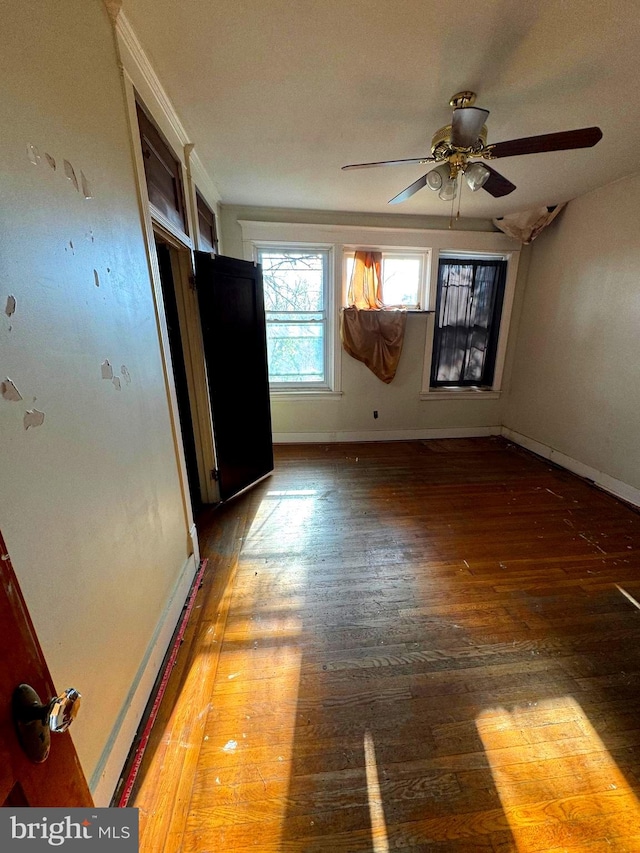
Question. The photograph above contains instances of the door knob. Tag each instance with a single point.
(34, 720)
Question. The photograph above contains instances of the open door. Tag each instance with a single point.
(57, 781)
(234, 338)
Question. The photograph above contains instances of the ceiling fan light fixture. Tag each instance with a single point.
(449, 189)
(476, 176)
(438, 176)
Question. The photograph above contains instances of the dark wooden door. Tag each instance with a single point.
(59, 780)
(233, 328)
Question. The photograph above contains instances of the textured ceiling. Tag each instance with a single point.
(277, 95)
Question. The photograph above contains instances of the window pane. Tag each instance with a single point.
(293, 281)
(295, 352)
(400, 280)
(467, 323)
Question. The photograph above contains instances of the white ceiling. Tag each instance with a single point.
(279, 94)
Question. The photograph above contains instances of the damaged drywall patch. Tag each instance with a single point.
(106, 369)
(116, 383)
(33, 154)
(71, 174)
(33, 418)
(9, 391)
(51, 160)
(10, 309)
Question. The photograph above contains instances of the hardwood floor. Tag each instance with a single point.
(428, 646)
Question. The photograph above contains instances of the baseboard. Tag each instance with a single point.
(615, 487)
(107, 773)
(382, 435)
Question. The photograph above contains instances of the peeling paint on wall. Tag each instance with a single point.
(96, 278)
(107, 369)
(10, 310)
(116, 382)
(33, 418)
(9, 391)
(127, 376)
(33, 154)
(51, 160)
(70, 173)
(86, 187)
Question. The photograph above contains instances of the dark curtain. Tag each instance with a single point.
(468, 309)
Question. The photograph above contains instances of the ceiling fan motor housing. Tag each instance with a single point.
(442, 147)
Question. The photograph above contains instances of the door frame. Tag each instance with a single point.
(154, 223)
(193, 352)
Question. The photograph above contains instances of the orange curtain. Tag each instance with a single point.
(365, 287)
(370, 333)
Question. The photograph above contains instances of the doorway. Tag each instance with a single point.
(168, 263)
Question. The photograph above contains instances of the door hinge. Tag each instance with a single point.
(215, 474)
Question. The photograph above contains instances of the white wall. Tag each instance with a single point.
(576, 380)
(93, 511)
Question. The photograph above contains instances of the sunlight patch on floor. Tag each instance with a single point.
(378, 824)
(557, 783)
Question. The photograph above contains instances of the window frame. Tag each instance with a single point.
(329, 385)
(468, 392)
(493, 329)
(423, 254)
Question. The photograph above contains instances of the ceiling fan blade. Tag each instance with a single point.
(466, 125)
(414, 161)
(496, 184)
(584, 137)
(410, 190)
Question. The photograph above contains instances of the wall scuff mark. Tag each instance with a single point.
(10, 310)
(9, 391)
(96, 278)
(127, 376)
(107, 369)
(51, 160)
(33, 418)
(33, 154)
(70, 173)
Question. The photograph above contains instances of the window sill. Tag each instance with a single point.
(460, 394)
(306, 394)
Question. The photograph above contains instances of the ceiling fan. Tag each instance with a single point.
(457, 146)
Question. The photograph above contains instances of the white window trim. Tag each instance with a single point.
(431, 394)
(437, 242)
(330, 387)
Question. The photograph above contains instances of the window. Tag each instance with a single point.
(207, 231)
(468, 311)
(296, 305)
(163, 172)
(403, 279)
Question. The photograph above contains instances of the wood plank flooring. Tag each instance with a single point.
(422, 646)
